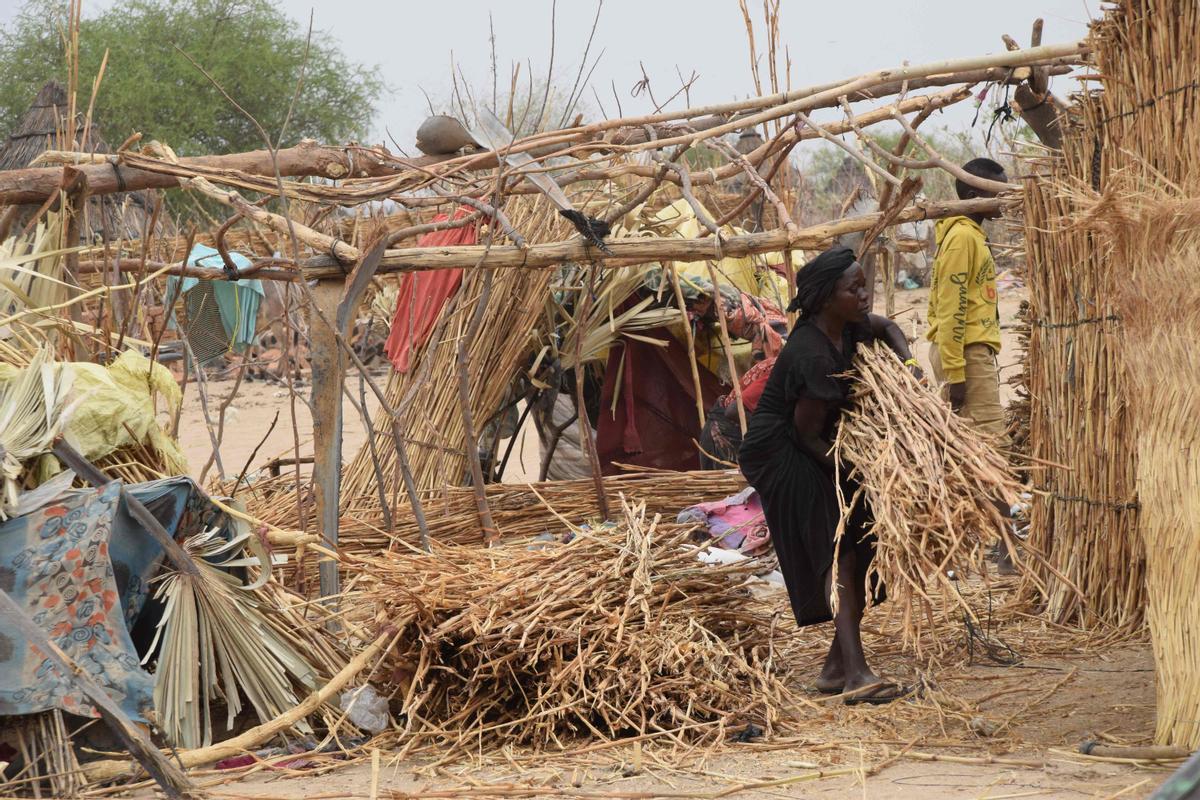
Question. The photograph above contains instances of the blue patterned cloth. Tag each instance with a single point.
(80, 567)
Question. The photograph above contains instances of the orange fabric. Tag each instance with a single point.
(422, 294)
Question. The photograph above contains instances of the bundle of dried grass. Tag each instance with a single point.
(621, 631)
(932, 483)
(529, 509)
(1150, 226)
(517, 509)
(426, 397)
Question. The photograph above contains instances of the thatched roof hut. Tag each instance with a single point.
(43, 127)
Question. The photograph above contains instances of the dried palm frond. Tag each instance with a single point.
(31, 268)
(218, 643)
(33, 410)
(383, 302)
(599, 338)
(932, 484)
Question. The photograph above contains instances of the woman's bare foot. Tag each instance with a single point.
(833, 672)
(861, 680)
(831, 683)
(867, 687)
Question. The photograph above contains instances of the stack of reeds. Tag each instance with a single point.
(1143, 211)
(519, 510)
(1084, 514)
(620, 632)
(932, 483)
(426, 396)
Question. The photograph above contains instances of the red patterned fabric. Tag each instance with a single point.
(752, 383)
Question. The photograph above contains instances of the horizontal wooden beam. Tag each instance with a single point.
(308, 158)
(640, 249)
(625, 252)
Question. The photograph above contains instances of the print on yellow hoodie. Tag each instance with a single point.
(962, 296)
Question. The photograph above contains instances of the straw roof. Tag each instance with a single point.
(119, 216)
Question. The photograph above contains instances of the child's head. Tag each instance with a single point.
(984, 168)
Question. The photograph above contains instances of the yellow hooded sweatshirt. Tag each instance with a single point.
(962, 297)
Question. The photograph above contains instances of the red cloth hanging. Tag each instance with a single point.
(423, 294)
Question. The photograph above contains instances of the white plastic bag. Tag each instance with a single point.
(366, 709)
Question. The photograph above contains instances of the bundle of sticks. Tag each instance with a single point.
(934, 485)
(620, 631)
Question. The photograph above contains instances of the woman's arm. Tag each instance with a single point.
(809, 419)
(889, 332)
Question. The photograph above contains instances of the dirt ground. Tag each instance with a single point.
(1053, 705)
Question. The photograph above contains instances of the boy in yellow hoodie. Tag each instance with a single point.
(964, 325)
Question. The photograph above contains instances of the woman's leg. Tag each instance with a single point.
(847, 623)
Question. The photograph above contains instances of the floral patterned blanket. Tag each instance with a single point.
(80, 566)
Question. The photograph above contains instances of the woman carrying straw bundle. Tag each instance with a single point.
(785, 456)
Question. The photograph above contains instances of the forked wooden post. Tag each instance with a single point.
(329, 326)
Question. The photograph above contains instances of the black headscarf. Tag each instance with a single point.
(816, 280)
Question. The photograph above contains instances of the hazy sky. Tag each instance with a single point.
(412, 43)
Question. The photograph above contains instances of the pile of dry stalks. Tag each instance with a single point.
(931, 482)
(621, 631)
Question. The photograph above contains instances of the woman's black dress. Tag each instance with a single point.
(798, 495)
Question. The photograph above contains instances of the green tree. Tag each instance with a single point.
(250, 47)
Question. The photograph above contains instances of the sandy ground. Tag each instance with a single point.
(1109, 694)
(249, 416)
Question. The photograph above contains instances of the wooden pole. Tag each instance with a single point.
(585, 426)
(90, 473)
(173, 782)
(111, 175)
(328, 372)
(627, 252)
(470, 436)
(690, 341)
(727, 345)
(337, 304)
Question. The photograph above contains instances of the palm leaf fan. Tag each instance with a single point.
(218, 643)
